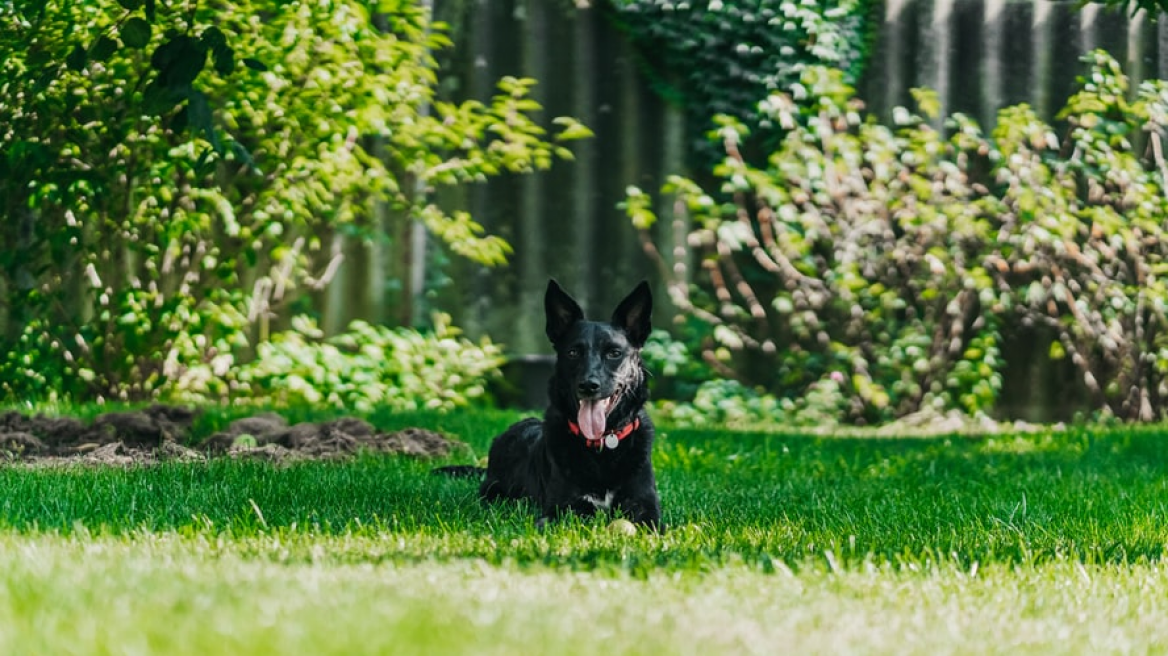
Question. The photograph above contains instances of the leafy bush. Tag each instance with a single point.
(688, 393)
(365, 368)
(722, 57)
(677, 372)
(723, 402)
(138, 241)
(894, 259)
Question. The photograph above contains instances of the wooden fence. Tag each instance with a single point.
(979, 55)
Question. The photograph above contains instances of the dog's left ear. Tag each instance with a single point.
(634, 314)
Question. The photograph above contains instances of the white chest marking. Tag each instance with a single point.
(601, 503)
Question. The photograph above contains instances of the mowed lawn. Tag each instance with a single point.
(777, 543)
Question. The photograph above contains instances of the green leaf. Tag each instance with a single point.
(103, 48)
(159, 99)
(199, 115)
(136, 33)
(571, 129)
(928, 101)
(180, 121)
(179, 61)
(76, 59)
(224, 58)
(38, 56)
(241, 153)
(213, 38)
(1057, 352)
(164, 54)
(204, 165)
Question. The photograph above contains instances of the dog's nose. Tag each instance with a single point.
(588, 387)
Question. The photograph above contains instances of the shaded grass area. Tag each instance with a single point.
(765, 500)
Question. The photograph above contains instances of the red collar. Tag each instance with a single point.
(604, 441)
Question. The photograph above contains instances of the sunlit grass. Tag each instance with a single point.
(150, 593)
(1012, 543)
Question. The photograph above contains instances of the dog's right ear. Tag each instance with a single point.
(562, 311)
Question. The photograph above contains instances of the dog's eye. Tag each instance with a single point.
(614, 354)
(573, 353)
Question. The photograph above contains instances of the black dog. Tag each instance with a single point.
(592, 450)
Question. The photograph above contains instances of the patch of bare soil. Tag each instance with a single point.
(160, 433)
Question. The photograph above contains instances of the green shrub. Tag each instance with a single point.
(678, 369)
(361, 370)
(894, 259)
(722, 402)
(154, 219)
(687, 392)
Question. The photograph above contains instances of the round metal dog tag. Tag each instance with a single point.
(611, 441)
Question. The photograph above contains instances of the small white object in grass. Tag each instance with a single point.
(623, 527)
(244, 441)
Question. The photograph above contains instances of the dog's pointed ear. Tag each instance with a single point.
(562, 311)
(634, 314)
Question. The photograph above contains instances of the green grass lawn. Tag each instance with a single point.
(777, 543)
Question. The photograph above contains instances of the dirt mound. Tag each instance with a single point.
(270, 437)
(22, 436)
(159, 433)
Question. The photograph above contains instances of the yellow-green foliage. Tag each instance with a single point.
(363, 369)
(894, 258)
(158, 200)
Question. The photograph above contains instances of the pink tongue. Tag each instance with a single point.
(592, 418)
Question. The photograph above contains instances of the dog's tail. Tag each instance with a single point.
(459, 471)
